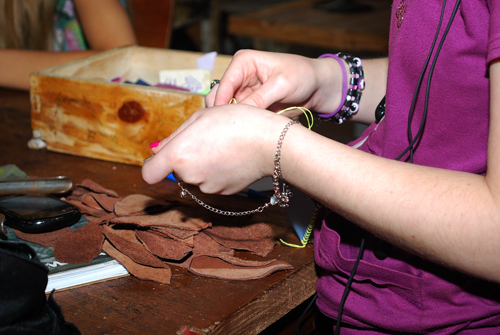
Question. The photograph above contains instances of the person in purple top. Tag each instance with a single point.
(416, 197)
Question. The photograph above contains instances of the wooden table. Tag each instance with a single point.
(300, 22)
(131, 306)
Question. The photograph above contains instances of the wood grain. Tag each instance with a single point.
(77, 111)
(300, 22)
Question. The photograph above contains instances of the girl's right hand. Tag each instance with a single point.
(275, 81)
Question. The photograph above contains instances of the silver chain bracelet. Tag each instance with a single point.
(281, 195)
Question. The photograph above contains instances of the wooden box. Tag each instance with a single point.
(78, 111)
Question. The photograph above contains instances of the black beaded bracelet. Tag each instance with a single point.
(355, 85)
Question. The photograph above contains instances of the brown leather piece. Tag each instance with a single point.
(107, 202)
(175, 233)
(139, 204)
(160, 275)
(48, 239)
(100, 201)
(205, 245)
(96, 188)
(86, 210)
(69, 250)
(257, 238)
(87, 186)
(125, 241)
(215, 267)
(163, 247)
(181, 217)
(90, 201)
(81, 245)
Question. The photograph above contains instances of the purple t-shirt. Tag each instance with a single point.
(403, 292)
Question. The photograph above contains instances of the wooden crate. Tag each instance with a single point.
(78, 111)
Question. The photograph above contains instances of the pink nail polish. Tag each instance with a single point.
(154, 144)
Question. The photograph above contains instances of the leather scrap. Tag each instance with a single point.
(163, 247)
(69, 250)
(125, 241)
(96, 188)
(181, 217)
(224, 265)
(139, 204)
(214, 267)
(86, 210)
(160, 275)
(205, 245)
(48, 239)
(175, 233)
(257, 238)
(165, 231)
(90, 201)
(101, 201)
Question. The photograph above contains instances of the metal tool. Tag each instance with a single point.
(2, 228)
(54, 185)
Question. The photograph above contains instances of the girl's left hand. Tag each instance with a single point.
(221, 149)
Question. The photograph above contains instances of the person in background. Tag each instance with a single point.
(416, 198)
(39, 34)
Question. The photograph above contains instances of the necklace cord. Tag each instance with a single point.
(413, 141)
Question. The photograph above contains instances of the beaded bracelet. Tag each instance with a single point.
(352, 94)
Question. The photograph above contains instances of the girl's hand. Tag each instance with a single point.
(221, 149)
(275, 81)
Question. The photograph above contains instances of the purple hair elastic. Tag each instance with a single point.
(344, 84)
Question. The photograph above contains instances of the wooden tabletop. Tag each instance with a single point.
(131, 306)
(301, 22)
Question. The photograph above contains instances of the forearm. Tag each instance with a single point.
(105, 23)
(19, 64)
(106, 26)
(441, 215)
(376, 82)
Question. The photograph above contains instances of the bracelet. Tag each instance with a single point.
(352, 94)
(344, 84)
(281, 195)
(214, 82)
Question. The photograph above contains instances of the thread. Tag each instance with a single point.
(309, 230)
(307, 113)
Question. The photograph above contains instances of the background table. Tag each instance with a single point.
(301, 22)
(131, 306)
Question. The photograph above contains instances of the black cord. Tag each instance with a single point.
(431, 72)
(413, 141)
(417, 89)
(411, 146)
(344, 295)
(348, 285)
(419, 84)
(305, 311)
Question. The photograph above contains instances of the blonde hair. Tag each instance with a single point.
(26, 24)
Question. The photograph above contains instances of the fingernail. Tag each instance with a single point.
(154, 144)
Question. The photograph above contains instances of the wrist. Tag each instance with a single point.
(330, 85)
(353, 83)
